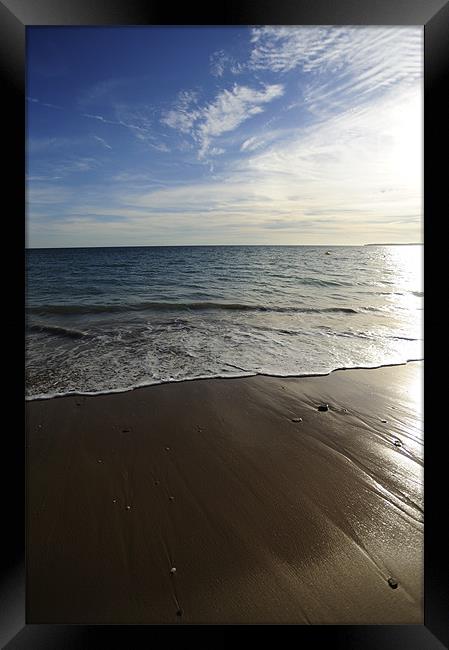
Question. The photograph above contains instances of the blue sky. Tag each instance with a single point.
(223, 135)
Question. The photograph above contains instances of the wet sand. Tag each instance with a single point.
(265, 519)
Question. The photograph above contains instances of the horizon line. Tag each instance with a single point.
(27, 248)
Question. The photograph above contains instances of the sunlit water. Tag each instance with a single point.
(114, 318)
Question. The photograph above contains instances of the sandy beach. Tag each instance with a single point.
(229, 501)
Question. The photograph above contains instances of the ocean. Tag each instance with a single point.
(111, 319)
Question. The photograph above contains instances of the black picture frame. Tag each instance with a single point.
(15, 16)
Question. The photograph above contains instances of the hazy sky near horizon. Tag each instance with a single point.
(223, 135)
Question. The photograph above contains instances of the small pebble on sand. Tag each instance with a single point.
(156, 482)
(171, 498)
(296, 419)
(126, 430)
(173, 570)
(99, 460)
(397, 443)
(323, 407)
(114, 500)
(167, 448)
(179, 612)
(393, 583)
(384, 421)
(128, 507)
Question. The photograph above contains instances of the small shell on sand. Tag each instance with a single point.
(393, 583)
(323, 407)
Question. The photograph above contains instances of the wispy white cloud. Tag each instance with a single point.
(33, 178)
(225, 113)
(384, 53)
(46, 194)
(45, 144)
(218, 62)
(221, 61)
(184, 113)
(64, 167)
(102, 142)
(262, 140)
(342, 64)
(231, 108)
(136, 121)
(139, 179)
(139, 119)
(250, 144)
(80, 164)
(100, 118)
(161, 146)
(34, 100)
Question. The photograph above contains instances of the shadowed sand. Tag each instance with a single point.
(265, 520)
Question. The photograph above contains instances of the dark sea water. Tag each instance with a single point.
(107, 319)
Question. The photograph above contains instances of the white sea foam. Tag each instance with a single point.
(151, 316)
(126, 389)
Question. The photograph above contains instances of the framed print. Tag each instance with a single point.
(220, 265)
